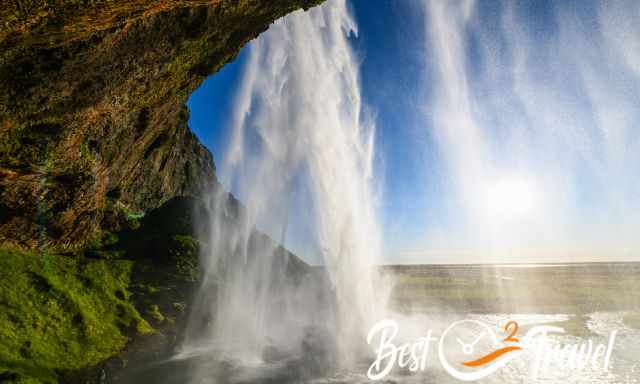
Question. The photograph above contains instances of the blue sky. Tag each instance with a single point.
(502, 127)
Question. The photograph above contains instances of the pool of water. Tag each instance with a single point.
(588, 301)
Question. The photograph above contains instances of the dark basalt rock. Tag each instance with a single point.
(93, 122)
(165, 248)
(99, 170)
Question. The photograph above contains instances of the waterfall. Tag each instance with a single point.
(532, 108)
(300, 158)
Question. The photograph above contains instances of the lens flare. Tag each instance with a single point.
(510, 198)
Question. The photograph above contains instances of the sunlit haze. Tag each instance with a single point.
(504, 131)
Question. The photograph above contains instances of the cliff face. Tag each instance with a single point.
(93, 135)
(93, 122)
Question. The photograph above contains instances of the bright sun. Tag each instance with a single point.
(511, 198)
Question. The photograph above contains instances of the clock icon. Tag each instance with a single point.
(470, 350)
(467, 349)
(462, 338)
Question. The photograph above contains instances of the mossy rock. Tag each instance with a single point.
(169, 236)
(60, 313)
(183, 253)
(154, 312)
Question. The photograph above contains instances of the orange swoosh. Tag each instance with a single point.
(490, 357)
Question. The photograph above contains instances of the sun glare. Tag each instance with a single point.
(510, 198)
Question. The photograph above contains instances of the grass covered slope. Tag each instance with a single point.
(60, 313)
(91, 316)
(104, 314)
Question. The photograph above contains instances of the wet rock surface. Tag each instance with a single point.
(99, 168)
(93, 122)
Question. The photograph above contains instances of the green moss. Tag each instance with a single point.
(9, 376)
(180, 307)
(59, 313)
(154, 312)
(131, 216)
(184, 253)
(27, 145)
(103, 244)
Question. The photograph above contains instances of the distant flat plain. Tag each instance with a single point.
(574, 289)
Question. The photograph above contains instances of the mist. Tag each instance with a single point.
(536, 119)
(299, 160)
